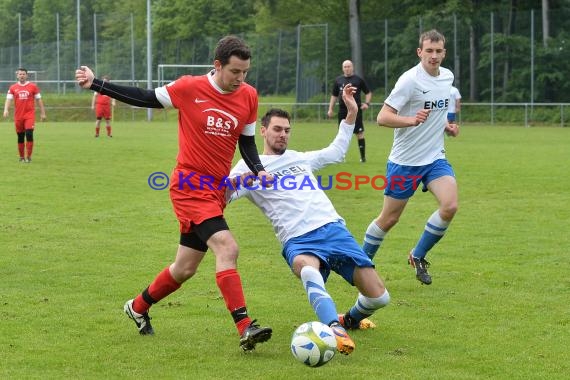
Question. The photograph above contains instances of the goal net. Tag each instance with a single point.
(166, 73)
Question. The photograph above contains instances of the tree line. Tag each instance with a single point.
(508, 51)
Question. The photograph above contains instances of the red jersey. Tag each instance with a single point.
(209, 122)
(24, 96)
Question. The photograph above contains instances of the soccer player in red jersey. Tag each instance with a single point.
(24, 94)
(102, 106)
(216, 111)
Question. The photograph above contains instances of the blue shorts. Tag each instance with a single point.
(335, 247)
(402, 180)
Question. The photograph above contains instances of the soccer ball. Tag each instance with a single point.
(313, 344)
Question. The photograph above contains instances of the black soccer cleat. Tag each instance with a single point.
(141, 320)
(254, 334)
(421, 266)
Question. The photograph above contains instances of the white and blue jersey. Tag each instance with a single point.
(296, 204)
(303, 217)
(415, 90)
(418, 153)
(454, 96)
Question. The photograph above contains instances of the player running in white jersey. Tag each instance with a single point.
(454, 104)
(314, 236)
(417, 110)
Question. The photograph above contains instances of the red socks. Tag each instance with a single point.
(229, 283)
(162, 286)
(29, 148)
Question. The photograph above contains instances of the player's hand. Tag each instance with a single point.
(246, 180)
(348, 97)
(330, 114)
(452, 129)
(265, 178)
(84, 76)
(6, 113)
(43, 117)
(421, 116)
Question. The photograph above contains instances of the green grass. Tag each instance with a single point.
(81, 232)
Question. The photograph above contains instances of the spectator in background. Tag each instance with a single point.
(103, 106)
(24, 94)
(454, 105)
(360, 85)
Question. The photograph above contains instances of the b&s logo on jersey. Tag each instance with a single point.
(23, 95)
(219, 123)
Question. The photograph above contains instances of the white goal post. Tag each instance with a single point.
(190, 69)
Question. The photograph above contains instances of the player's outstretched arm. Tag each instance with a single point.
(348, 97)
(134, 96)
(336, 151)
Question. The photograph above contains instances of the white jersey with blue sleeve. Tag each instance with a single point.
(415, 90)
(296, 203)
(453, 96)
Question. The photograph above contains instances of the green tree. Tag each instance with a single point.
(9, 10)
(184, 20)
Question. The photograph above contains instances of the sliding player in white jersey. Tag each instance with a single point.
(417, 110)
(314, 236)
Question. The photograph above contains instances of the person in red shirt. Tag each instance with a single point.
(216, 111)
(102, 106)
(24, 94)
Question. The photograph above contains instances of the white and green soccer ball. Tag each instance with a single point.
(313, 344)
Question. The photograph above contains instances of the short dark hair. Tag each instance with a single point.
(431, 35)
(22, 69)
(231, 45)
(277, 112)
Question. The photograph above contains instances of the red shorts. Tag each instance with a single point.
(194, 199)
(103, 112)
(23, 124)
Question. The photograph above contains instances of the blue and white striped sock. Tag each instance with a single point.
(373, 239)
(320, 300)
(365, 307)
(434, 230)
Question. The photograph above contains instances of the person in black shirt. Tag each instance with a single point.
(361, 86)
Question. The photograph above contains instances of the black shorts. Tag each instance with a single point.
(358, 124)
(201, 233)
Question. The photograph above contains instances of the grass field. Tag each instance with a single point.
(81, 232)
